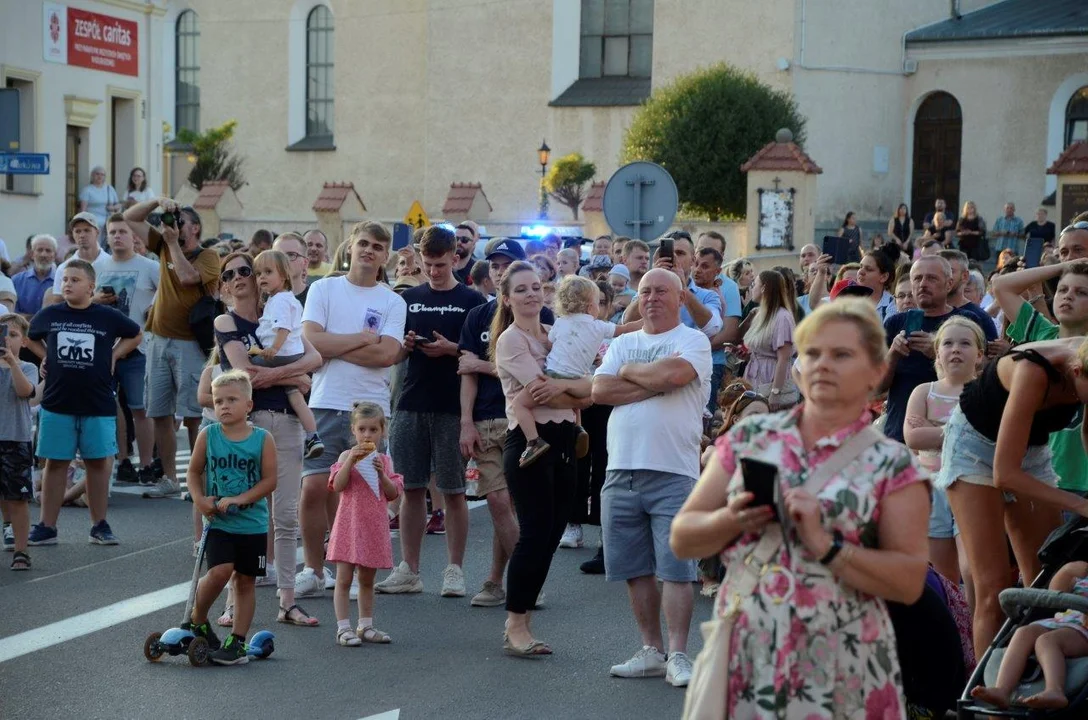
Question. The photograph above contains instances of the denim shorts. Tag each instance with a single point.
(942, 525)
(59, 436)
(129, 373)
(967, 455)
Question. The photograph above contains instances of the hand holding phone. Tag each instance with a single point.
(760, 479)
(666, 248)
(913, 322)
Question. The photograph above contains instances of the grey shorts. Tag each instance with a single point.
(173, 375)
(334, 427)
(422, 443)
(637, 509)
(967, 455)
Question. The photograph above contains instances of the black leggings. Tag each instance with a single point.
(543, 495)
(591, 470)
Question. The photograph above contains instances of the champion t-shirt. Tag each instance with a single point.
(431, 384)
(79, 357)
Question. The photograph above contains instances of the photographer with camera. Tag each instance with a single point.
(187, 274)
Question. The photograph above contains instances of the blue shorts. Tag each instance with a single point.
(968, 456)
(129, 373)
(942, 525)
(59, 436)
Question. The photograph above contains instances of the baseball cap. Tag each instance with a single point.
(507, 248)
(404, 283)
(850, 288)
(86, 217)
(601, 262)
(622, 271)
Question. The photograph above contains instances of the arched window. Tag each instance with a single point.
(319, 69)
(1076, 117)
(187, 74)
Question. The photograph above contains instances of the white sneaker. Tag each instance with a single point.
(401, 580)
(308, 584)
(330, 579)
(164, 488)
(678, 670)
(647, 662)
(353, 593)
(572, 538)
(453, 581)
(269, 579)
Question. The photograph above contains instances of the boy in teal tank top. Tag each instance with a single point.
(231, 473)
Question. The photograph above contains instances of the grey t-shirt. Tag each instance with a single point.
(15, 424)
(134, 284)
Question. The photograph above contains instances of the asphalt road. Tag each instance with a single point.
(445, 660)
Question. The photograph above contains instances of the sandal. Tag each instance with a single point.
(345, 637)
(533, 649)
(532, 452)
(301, 618)
(20, 561)
(371, 634)
(227, 618)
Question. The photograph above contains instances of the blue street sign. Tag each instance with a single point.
(24, 163)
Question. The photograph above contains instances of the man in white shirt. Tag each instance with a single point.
(127, 282)
(84, 231)
(659, 378)
(357, 325)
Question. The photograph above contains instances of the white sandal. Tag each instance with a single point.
(345, 637)
(227, 618)
(371, 634)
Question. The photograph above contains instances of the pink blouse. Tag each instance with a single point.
(519, 359)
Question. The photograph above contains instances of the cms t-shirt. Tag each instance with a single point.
(431, 385)
(661, 433)
(476, 338)
(343, 308)
(134, 283)
(79, 357)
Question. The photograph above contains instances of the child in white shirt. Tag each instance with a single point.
(576, 339)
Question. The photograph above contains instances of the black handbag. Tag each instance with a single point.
(202, 320)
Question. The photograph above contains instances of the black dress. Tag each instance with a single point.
(970, 244)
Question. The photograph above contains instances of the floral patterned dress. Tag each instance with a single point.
(805, 646)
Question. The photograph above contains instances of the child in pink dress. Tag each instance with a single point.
(360, 540)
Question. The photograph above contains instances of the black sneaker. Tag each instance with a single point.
(233, 652)
(156, 468)
(205, 631)
(595, 566)
(146, 476)
(314, 447)
(126, 474)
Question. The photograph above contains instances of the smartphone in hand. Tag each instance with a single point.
(666, 248)
(761, 479)
(913, 322)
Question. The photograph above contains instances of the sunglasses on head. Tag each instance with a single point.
(242, 272)
(1082, 225)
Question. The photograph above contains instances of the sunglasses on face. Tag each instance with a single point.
(736, 387)
(464, 240)
(242, 272)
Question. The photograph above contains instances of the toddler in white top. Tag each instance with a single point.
(576, 339)
(279, 334)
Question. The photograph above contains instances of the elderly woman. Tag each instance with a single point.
(100, 199)
(813, 639)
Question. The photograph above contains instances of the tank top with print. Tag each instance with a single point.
(938, 409)
(233, 467)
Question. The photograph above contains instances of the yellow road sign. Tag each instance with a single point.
(416, 217)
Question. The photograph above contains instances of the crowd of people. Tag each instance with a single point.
(343, 401)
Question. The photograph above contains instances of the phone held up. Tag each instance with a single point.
(665, 249)
(913, 321)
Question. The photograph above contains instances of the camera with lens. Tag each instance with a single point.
(173, 219)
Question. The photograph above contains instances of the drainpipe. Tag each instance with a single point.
(954, 9)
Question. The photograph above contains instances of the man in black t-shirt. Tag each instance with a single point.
(1040, 227)
(425, 430)
(483, 421)
(467, 237)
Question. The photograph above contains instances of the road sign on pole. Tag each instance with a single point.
(640, 200)
(416, 217)
(24, 163)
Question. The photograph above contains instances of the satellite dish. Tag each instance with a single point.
(640, 200)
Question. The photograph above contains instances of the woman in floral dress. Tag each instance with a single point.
(814, 640)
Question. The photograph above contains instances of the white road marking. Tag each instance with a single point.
(112, 559)
(390, 715)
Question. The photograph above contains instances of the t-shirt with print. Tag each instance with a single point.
(431, 385)
(476, 338)
(733, 308)
(1068, 457)
(576, 339)
(282, 311)
(343, 308)
(914, 369)
(661, 433)
(231, 468)
(15, 421)
(170, 313)
(79, 357)
(134, 282)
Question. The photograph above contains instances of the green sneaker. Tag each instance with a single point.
(233, 652)
(205, 631)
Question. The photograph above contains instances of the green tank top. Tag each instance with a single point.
(231, 469)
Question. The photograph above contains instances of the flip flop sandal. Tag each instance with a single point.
(306, 620)
(533, 649)
(20, 561)
(373, 635)
(227, 618)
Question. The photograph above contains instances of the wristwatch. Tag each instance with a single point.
(833, 551)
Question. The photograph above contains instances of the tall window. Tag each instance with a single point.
(319, 67)
(617, 38)
(1076, 117)
(187, 79)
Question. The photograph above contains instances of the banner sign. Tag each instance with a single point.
(86, 39)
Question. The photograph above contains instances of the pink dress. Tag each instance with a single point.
(360, 533)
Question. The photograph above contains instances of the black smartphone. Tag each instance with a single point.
(1033, 253)
(665, 250)
(423, 340)
(761, 479)
(838, 248)
(913, 322)
(108, 290)
(3, 333)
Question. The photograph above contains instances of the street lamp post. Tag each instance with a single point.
(543, 151)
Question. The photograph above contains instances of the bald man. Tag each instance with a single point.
(658, 378)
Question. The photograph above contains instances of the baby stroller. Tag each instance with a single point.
(1069, 543)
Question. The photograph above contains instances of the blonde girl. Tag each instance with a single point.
(360, 541)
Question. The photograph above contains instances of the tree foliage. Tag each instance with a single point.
(567, 179)
(215, 156)
(703, 126)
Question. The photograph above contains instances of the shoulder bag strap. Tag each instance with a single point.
(843, 456)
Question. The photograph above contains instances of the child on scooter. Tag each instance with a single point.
(231, 473)
(1052, 640)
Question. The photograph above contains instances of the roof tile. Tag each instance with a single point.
(332, 197)
(461, 196)
(594, 201)
(1073, 160)
(210, 194)
(782, 157)
(1009, 19)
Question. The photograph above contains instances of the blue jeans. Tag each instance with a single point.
(716, 376)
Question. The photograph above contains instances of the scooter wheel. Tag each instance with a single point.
(267, 648)
(152, 649)
(198, 651)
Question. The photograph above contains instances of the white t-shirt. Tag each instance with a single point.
(661, 433)
(134, 283)
(576, 340)
(58, 277)
(141, 195)
(283, 311)
(342, 308)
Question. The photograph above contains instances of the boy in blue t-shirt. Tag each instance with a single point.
(17, 386)
(231, 473)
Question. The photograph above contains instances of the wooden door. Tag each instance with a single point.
(938, 136)
(72, 173)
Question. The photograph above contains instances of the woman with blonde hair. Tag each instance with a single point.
(769, 340)
(804, 598)
(971, 233)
